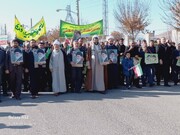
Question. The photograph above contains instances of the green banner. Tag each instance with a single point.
(67, 29)
(35, 32)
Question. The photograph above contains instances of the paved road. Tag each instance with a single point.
(147, 111)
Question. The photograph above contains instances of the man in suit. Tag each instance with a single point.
(15, 71)
(165, 59)
(122, 48)
(2, 61)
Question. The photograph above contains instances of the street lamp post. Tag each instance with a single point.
(68, 9)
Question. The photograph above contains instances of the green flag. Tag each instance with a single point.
(48, 53)
(67, 29)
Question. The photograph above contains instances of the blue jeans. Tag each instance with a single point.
(128, 81)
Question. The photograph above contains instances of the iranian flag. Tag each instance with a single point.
(137, 70)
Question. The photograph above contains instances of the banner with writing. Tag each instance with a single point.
(67, 29)
(35, 32)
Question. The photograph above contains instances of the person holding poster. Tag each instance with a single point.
(15, 70)
(176, 64)
(134, 51)
(57, 67)
(76, 58)
(112, 68)
(40, 67)
(148, 69)
(95, 75)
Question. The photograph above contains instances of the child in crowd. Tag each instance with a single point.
(127, 64)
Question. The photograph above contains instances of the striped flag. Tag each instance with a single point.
(137, 70)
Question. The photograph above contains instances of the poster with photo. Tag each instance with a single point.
(151, 58)
(103, 57)
(112, 55)
(77, 35)
(178, 63)
(16, 55)
(39, 56)
(77, 58)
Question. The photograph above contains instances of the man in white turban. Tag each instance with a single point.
(57, 67)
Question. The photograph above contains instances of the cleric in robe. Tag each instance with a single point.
(57, 65)
(95, 74)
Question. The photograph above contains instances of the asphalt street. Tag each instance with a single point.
(147, 111)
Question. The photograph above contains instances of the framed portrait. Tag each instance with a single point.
(16, 55)
(151, 58)
(39, 56)
(112, 55)
(77, 35)
(103, 57)
(77, 58)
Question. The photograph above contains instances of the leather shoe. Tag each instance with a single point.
(167, 85)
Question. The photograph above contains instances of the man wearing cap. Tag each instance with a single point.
(95, 74)
(57, 66)
(15, 70)
(112, 68)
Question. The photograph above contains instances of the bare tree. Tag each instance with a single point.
(132, 16)
(171, 9)
(117, 35)
(51, 35)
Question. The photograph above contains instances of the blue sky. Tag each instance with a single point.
(90, 11)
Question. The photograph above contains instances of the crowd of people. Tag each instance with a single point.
(61, 74)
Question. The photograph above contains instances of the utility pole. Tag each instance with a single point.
(31, 22)
(105, 17)
(69, 17)
(78, 18)
(5, 30)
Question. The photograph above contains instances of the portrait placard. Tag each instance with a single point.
(39, 56)
(103, 57)
(77, 58)
(112, 55)
(151, 58)
(178, 63)
(16, 55)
